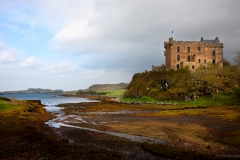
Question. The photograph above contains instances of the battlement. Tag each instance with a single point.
(215, 42)
(213, 45)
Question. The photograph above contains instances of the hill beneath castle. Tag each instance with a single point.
(159, 85)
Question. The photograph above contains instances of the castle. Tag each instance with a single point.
(192, 54)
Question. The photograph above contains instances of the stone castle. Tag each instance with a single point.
(192, 54)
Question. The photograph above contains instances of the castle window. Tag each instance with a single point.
(178, 49)
(198, 49)
(213, 61)
(199, 60)
(192, 66)
(213, 53)
(188, 49)
(189, 58)
(178, 57)
(205, 61)
(177, 66)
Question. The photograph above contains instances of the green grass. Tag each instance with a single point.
(5, 106)
(142, 99)
(114, 93)
(220, 99)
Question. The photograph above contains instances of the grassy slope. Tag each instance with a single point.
(6, 106)
(105, 87)
(114, 93)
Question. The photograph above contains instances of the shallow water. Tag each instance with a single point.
(63, 120)
(53, 109)
(135, 138)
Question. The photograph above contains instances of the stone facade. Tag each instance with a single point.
(179, 54)
(157, 68)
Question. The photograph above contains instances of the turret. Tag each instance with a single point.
(170, 41)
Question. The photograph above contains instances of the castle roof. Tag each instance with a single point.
(210, 41)
(213, 41)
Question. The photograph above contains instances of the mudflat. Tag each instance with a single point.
(104, 130)
(210, 131)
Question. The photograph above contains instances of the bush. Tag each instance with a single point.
(236, 90)
(5, 99)
(153, 92)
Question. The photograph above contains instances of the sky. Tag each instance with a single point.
(72, 44)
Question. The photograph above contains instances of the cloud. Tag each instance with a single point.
(127, 33)
(75, 33)
(7, 54)
(30, 33)
(46, 67)
(62, 68)
(31, 62)
(107, 41)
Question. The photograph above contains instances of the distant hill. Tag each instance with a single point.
(102, 87)
(35, 91)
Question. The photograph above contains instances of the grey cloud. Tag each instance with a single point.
(131, 33)
(121, 37)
